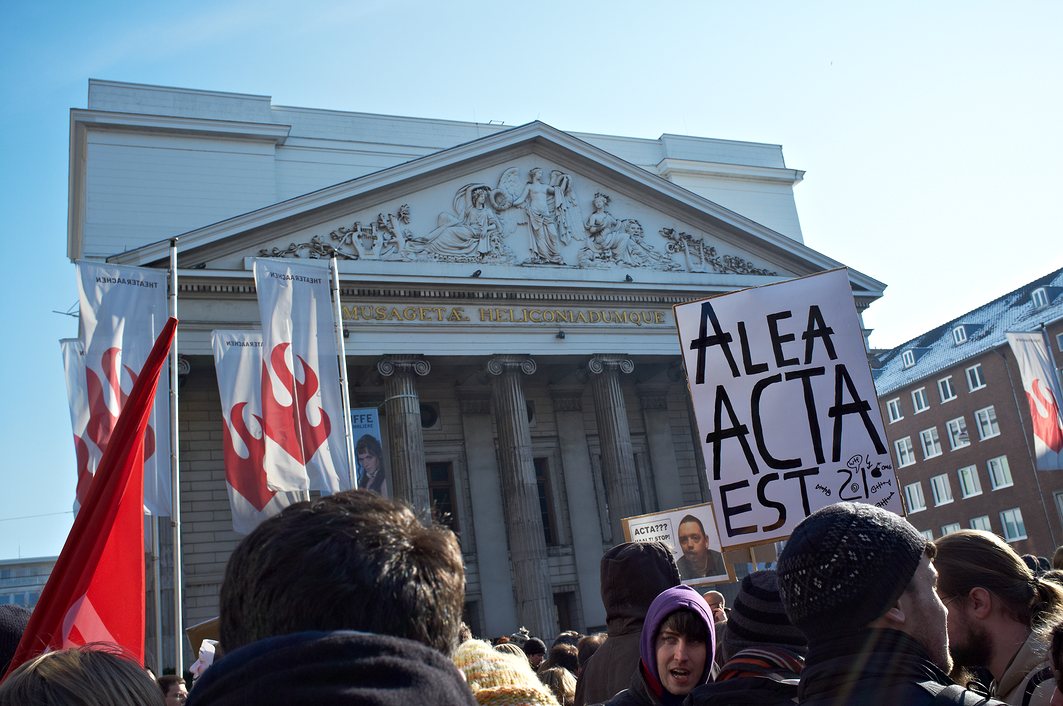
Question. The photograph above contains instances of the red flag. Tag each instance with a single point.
(96, 590)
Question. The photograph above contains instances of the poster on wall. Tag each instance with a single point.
(690, 532)
(785, 405)
(368, 452)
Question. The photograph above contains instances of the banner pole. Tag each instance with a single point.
(346, 393)
(175, 481)
(156, 592)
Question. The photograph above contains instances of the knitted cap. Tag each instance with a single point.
(846, 565)
(498, 679)
(534, 646)
(758, 617)
(13, 619)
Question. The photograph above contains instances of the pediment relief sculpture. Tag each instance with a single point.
(527, 220)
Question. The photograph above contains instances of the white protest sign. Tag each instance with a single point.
(785, 405)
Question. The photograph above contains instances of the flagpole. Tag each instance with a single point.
(346, 396)
(156, 592)
(175, 481)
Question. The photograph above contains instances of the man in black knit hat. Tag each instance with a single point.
(859, 582)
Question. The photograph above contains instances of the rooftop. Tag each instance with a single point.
(984, 329)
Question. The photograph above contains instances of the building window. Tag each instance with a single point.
(908, 359)
(950, 528)
(957, 431)
(1059, 504)
(975, 379)
(1059, 342)
(942, 489)
(893, 408)
(546, 503)
(442, 494)
(928, 535)
(1014, 529)
(969, 483)
(986, 419)
(981, 523)
(959, 335)
(913, 494)
(1040, 298)
(919, 401)
(905, 452)
(945, 389)
(931, 442)
(999, 473)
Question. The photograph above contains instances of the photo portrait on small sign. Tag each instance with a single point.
(690, 532)
(368, 453)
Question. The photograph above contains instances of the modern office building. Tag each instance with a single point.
(22, 580)
(960, 428)
(506, 291)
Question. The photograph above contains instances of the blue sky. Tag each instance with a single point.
(929, 133)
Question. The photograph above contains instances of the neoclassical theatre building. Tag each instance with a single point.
(507, 297)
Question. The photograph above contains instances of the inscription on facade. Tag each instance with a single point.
(505, 315)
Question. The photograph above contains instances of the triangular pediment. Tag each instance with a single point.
(531, 205)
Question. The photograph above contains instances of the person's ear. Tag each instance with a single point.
(980, 602)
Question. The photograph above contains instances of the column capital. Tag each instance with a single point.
(602, 362)
(501, 363)
(389, 365)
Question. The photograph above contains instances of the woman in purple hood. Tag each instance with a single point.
(677, 645)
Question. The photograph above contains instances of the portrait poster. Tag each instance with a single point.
(785, 406)
(690, 532)
(368, 450)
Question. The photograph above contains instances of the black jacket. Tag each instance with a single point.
(874, 668)
(632, 575)
(343, 667)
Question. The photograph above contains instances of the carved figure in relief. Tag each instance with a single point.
(396, 234)
(608, 239)
(540, 205)
(473, 230)
(699, 256)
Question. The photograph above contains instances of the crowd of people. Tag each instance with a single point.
(352, 599)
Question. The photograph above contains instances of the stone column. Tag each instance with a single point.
(654, 401)
(409, 479)
(614, 435)
(524, 522)
(488, 514)
(582, 501)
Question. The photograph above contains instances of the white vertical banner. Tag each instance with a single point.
(78, 401)
(247, 449)
(301, 397)
(1041, 386)
(122, 311)
(785, 405)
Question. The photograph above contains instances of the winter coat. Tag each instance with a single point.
(1025, 667)
(632, 575)
(873, 668)
(764, 675)
(342, 667)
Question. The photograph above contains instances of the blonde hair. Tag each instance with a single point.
(560, 681)
(97, 674)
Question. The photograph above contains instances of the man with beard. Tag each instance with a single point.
(859, 582)
(1000, 614)
(697, 560)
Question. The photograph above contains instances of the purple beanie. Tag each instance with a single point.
(666, 603)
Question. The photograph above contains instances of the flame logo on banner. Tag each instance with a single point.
(101, 419)
(1045, 415)
(246, 475)
(286, 424)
